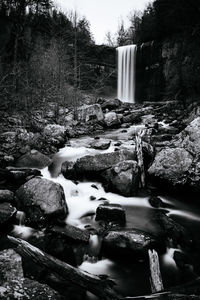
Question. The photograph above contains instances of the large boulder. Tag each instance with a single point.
(112, 120)
(135, 115)
(89, 165)
(55, 134)
(41, 200)
(110, 104)
(171, 165)
(88, 112)
(129, 242)
(123, 178)
(111, 213)
(33, 159)
(179, 166)
(189, 138)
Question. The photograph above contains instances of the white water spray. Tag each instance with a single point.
(126, 73)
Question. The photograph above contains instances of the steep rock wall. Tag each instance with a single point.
(169, 69)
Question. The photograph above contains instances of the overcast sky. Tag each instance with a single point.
(103, 15)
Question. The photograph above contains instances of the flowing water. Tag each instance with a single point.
(126, 73)
(132, 278)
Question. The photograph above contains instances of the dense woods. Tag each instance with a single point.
(160, 19)
(45, 54)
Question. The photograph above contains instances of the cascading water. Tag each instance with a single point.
(126, 73)
(132, 278)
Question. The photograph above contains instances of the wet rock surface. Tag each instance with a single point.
(100, 144)
(129, 242)
(111, 213)
(89, 165)
(71, 232)
(41, 200)
(122, 178)
(179, 164)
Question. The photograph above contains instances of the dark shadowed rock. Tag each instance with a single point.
(110, 104)
(68, 170)
(131, 118)
(182, 260)
(41, 199)
(111, 213)
(155, 202)
(173, 230)
(122, 178)
(135, 115)
(21, 175)
(6, 196)
(33, 159)
(71, 232)
(129, 242)
(101, 144)
(7, 212)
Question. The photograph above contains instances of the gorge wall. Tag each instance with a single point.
(168, 69)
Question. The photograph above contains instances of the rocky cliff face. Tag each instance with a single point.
(169, 69)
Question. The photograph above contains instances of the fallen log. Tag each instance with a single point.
(100, 286)
(186, 291)
(155, 274)
(138, 143)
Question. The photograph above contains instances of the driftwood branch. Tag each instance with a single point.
(100, 286)
(155, 274)
(138, 143)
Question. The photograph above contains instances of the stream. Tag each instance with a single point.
(132, 278)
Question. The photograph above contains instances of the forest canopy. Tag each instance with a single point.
(160, 19)
(45, 54)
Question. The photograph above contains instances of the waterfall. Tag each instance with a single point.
(126, 73)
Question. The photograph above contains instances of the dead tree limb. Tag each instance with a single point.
(138, 143)
(100, 286)
(155, 274)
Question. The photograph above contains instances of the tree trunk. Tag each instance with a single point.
(138, 141)
(98, 285)
(155, 274)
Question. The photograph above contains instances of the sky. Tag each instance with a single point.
(103, 15)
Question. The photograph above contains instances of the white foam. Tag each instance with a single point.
(22, 231)
(168, 257)
(97, 268)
